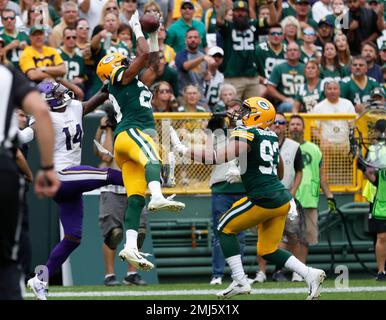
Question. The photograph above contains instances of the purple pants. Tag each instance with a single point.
(75, 181)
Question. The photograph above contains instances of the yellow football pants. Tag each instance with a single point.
(133, 150)
(244, 214)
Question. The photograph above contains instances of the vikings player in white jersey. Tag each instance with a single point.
(66, 115)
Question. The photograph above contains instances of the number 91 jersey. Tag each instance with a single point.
(259, 171)
(132, 103)
(68, 135)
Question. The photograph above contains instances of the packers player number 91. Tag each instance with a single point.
(267, 201)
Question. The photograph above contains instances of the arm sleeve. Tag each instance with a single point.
(21, 86)
(26, 61)
(274, 77)
(181, 58)
(242, 135)
(57, 58)
(26, 135)
(298, 163)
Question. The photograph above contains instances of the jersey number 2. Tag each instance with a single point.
(268, 151)
(76, 139)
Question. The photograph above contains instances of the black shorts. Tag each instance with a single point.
(377, 225)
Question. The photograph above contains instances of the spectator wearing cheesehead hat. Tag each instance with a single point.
(239, 47)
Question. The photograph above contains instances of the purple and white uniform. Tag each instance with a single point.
(75, 179)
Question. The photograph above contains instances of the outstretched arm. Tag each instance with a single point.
(142, 57)
(208, 155)
(95, 101)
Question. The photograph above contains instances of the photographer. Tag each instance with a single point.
(226, 186)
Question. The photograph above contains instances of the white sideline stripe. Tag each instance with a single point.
(197, 292)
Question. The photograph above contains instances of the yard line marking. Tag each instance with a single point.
(198, 292)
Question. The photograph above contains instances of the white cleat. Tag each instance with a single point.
(235, 288)
(136, 258)
(314, 279)
(162, 204)
(296, 277)
(216, 281)
(260, 278)
(38, 287)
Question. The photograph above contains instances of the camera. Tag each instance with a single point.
(217, 121)
(110, 113)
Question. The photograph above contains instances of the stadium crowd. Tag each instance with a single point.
(305, 56)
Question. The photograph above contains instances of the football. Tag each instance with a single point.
(149, 23)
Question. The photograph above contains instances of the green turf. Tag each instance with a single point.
(361, 295)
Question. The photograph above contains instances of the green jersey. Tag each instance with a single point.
(259, 173)
(266, 59)
(337, 74)
(14, 55)
(308, 98)
(351, 91)
(305, 57)
(287, 79)
(309, 188)
(74, 65)
(239, 50)
(132, 103)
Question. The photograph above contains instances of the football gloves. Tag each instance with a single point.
(332, 205)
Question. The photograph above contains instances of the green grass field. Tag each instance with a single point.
(356, 290)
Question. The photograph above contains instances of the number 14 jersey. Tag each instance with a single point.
(259, 171)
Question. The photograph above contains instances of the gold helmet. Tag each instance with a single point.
(108, 63)
(255, 112)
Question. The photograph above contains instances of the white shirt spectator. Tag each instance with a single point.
(334, 131)
(93, 15)
(320, 10)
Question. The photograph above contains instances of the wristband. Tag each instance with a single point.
(47, 168)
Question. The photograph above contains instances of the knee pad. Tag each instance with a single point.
(114, 238)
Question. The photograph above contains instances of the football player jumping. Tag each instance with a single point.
(267, 202)
(134, 148)
(66, 115)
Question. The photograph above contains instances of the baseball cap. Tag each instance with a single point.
(302, 1)
(324, 21)
(378, 91)
(215, 50)
(240, 5)
(370, 1)
(383, 45)
(187, 2)
(36, 28)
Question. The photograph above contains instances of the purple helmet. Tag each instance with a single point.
(56, 94)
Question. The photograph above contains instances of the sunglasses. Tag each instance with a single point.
(308, 33)
(187, 8)
(276, 33)
(8, 18)
(164, 91)
(84, 28)
(70, 37)
(111, 8)
(280, 122)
